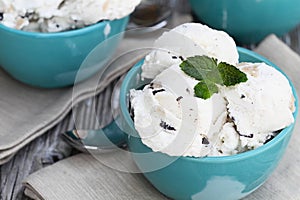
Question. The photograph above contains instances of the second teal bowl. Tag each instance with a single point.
(52, 60)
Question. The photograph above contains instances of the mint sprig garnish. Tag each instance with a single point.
(210, 74)
(206, 89)
(230, 74)
(200, 67)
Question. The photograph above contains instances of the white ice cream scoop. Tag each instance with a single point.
(237, 119)
(61, 15)
(263, 104)
(188, 40)
(170, 119)
(215, 43)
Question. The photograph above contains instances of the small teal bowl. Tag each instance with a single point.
(51, 60)
(209, 178)
(248, 21)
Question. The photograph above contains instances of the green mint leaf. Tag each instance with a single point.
(210, 74)
(205, 89)
(200, 67)
(230, 74)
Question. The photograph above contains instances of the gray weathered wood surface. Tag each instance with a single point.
(45, 150)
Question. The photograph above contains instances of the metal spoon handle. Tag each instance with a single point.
(106, 139)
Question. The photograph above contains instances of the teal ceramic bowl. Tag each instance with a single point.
(209, 178)
(248, 21)
(52, 60)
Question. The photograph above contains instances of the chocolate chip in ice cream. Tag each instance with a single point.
(247, 136)
(205, 141)
(179, 98)
(269, 138)
(154, 92)
(154, 85)
(166, 126)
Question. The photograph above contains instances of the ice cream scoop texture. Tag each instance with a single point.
(170, 119)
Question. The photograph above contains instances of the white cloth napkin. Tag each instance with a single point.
(83, 177)
(28, 112)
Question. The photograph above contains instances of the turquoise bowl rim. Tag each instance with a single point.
(217, 159)
(62, 34)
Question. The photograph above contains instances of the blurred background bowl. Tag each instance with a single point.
(52, 60)
(248, 21)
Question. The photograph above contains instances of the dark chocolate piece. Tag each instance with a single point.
(151, 86)
(269, 138)
(247, 136)
(154, 92)
(205, 140)
(179, 98)
(166, 126)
